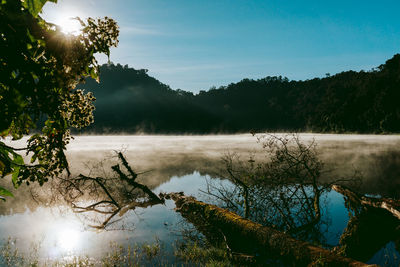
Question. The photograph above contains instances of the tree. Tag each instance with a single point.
(40, 69)
(109, 194)
(282, 191)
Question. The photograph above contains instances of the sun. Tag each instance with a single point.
(69, 25)
(65, 16)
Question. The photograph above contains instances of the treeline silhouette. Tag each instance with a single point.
(130, 100)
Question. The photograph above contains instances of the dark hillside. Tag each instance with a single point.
(130, 100)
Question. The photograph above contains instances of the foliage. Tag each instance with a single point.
(9, 254)
(203, 255)
(138, 254)
(144, 104)
(40, 68)
(350, 101)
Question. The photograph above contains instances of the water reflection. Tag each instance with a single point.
(182, 164)
(53, 232)
(295, 209)
(59, 233)
(169, 156)
(369, 229)
(388, 255)
(283, 191)
(67, 239)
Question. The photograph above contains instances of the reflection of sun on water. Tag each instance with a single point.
(68, 239)
(64, 237)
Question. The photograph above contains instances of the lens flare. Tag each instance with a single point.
(70, 26)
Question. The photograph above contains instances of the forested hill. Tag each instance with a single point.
(130, 100)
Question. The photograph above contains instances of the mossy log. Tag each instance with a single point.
(245, 235)
(368, 232)
(374, 224)
(388, 204)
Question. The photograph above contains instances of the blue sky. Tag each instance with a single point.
(193, 45)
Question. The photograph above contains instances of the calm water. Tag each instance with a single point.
(186, 163)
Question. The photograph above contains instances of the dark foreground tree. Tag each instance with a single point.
(40, 69)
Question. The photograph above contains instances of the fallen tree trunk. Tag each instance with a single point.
(245, 235)
(368, 232)
(374, 224)
(388, 204)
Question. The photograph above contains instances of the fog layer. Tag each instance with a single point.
(160, 158)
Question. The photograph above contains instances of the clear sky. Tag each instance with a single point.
(193, 45)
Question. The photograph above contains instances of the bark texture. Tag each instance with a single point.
(244, 235)
(388, 204)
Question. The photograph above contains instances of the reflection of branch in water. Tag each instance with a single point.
(283, 191)
(109, 196)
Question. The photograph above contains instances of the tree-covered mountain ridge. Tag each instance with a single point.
(131, 101)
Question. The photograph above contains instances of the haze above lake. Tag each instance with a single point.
(184, 163)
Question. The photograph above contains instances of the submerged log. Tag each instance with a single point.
(367, 232)
(388, 204)
(374, 224)
(246, 236)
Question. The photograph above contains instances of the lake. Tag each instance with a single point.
(188, 164)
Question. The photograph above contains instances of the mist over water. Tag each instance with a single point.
(182, 163)
(161, 157)
(377, 157)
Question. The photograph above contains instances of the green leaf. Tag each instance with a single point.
(35, 6)
(18, 161)
(93, 73)
(5, 160)
(34, 157)
(5, 193)
(30, 36)
(15, 176)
